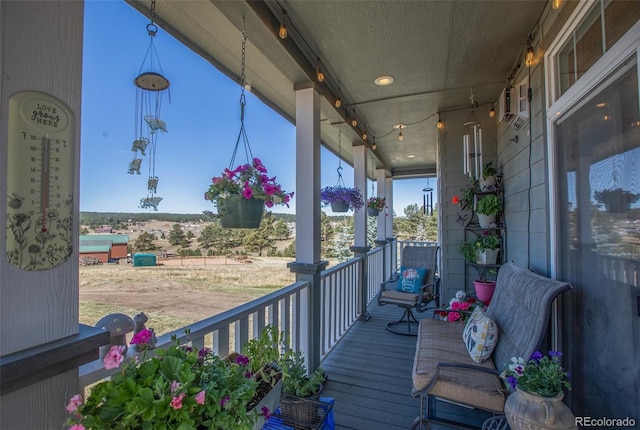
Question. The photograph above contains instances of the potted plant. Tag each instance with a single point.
(241, 194)
(179, 387)
(297, 382)
(466, 204)
(341, 198)
(375, 205)
(488, 180)
(459, 308)
(487, 208)
(539, 387)
(483, 250)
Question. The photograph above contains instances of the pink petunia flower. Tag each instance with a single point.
(200, 397)
(77, 427)
(247, 193)
(74, 403)
(269, 189)
(176, 402)
(114, 357)
(268, 203)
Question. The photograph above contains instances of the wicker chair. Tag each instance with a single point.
(413, 257)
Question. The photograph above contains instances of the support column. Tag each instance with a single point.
(308, 266)
(381, 179)
(389, 224)
(360, 182)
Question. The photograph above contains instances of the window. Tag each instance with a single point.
(599, 29)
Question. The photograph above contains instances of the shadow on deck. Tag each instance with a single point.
(369, 375)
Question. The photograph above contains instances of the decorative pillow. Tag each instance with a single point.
(411, 279)
(480, 335)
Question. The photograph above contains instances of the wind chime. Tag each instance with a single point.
(472, 144)
(151, 86)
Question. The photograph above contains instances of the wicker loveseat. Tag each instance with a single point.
(442, 366)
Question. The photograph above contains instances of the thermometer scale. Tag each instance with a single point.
(40, 178)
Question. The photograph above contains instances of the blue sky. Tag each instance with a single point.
(203, 121)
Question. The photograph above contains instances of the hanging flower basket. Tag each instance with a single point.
(342, 198)
(375, 205)
(238, 212)
(242, 193)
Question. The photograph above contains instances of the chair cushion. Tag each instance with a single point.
(398, 297)
(480, 335)
(411, 279)
(436, 343)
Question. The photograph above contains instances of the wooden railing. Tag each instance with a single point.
(340, 305)
(229, 330)
(339, 302)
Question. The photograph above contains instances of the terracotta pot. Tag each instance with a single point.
(484, 290)
(238, 212)
(339, 206)
(527, 411)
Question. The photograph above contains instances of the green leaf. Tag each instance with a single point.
(170, 368)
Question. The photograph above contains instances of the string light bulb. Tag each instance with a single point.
(440, 123)
(364, 135)
(320, 75)
(338, 102)
(283, 27)
(400, 136)
(530, 56)
(492, 113)
(556, 4)
(354, 121)
(374, 146)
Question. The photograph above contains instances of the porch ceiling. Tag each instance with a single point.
(439, 52)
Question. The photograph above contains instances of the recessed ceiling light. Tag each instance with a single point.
(411, 156)
(399, 126)
(384, 80)
(601, 105)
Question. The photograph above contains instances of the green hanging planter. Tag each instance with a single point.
(340, 206)
(238, 212)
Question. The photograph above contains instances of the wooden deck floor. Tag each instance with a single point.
(369, 375)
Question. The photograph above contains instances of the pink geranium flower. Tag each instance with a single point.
(74, 403)
(143, 337)
(176, 402)
(200, 397)
(114, 357)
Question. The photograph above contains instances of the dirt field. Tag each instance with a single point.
(177, 292)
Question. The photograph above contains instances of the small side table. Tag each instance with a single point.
(496, 423)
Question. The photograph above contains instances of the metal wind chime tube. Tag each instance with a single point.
(150, 88)
(472, 141)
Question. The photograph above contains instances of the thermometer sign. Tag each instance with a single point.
(40, 173)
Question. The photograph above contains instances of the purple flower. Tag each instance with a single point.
(555, 354)
(536, 356)
(224, 400)
(512, 381)
(248, 375)
(242, 360)
(204, 352)
(266, 413)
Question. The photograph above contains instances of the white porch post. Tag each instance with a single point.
(308, 266)
(360, 247)
(381, 179)
(42, 342)
(360, 182)
(389, 222)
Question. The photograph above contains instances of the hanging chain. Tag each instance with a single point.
(244, 61)
(340, 180)
(152, 28)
